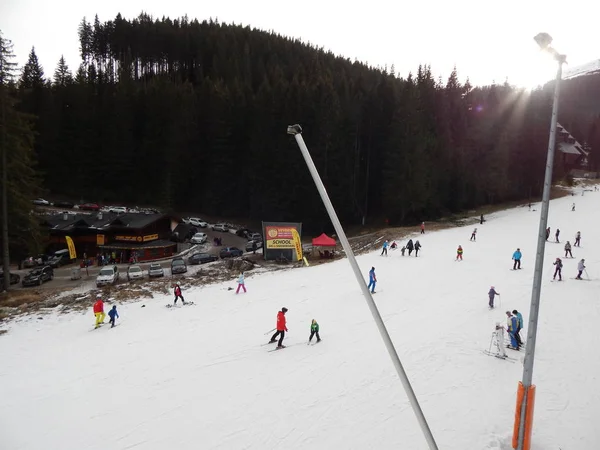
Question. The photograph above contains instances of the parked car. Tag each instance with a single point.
(135, 272)
(64, 204)
(255, 237)
(38, 276)
(89, 207)
(60, 258)
(117, 209)
(178, 266)
(202, 258)
(250, 244)
(242, 232)
(230, 252)
(197, 222)
(198, 238)
(156, 271)
(14, 279)
(220, 227)
(41, 202)
(108, 275)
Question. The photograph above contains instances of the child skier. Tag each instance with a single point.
(517, 259)
(113, 314)
(394, 246)
(558, 271)
(511, 321)
(314, 330)
(403, 249)
(281, 328)
(492, 294)
(384, 249)
(99, 311)
(372, 280)
(473, 235)
(417, 248)
(568, 249)
(459, 253)
(580, 268)
(177, 292)
(422, 227)
(577, 239)
(241, 283)
(499, 338)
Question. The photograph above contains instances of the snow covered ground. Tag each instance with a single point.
(197, 377)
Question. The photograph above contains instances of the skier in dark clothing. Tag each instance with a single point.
(410, 247)
(492, 294)
(281, 328)
(568, 249)
(547, 233)
(481, 220)
(558, 271)
(417, 248)
(556, 234)
(113, 314)
(577, 239)
(403, 249)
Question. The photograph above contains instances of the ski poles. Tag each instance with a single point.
(586, 274)
(491, 342)
(499, 301)
(270, 331)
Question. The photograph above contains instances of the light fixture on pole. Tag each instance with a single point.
(296, 131)
(526, 391)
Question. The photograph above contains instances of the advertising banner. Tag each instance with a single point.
(71, 245)
(282, 240)
(99, 239)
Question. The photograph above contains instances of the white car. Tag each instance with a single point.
(197, 222)
(41, 202)
(135, 273)
(107, 275)
(199, 238)
(220, 227)
(117, 209)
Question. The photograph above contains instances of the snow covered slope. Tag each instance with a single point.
(197, 377)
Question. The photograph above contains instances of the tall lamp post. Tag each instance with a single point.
(526, 391)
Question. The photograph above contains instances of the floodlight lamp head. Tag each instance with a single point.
(543, 40)
(294, 129)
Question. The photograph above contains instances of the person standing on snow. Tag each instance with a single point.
(417, 248)
(422, 227)
(241, 283)
(499, 338)
(410, 246)
(519, 317)
(459, 253)
(384, 250)
(473, 235)
(511, 322)
(492, 294)
(556, 234)
(314, 330)
(177, 293)
(281, 328)
(99, 311)
(547, 233)
(573, 207)
(580, 268)
(578, 239)
(558, 271)
(113, 314)
(372, 280)
(403, 249)
(517, 259)
(568, 249)
(481, 220)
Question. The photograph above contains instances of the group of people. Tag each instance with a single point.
(100, 315)
(281, 329)
(514, 325)
(410, 246)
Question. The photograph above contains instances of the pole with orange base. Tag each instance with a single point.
(525, 404)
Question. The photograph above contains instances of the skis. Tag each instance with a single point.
(313, 343)
(499, 356)
(274, 342)
(282, 347)
(170, 305)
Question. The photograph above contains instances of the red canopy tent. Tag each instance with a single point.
(323, 241)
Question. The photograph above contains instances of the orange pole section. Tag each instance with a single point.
(529, 417)
(520, 395)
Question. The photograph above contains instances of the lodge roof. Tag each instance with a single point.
(100, 221)
(567, 143)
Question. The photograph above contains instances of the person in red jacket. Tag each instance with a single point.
(177, 292)
(281, 328)
(99, 311)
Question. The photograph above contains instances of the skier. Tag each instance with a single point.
(580, 268)
(99, 311)
(417, 248)
(481, 220)
(314, 330)
(492, 294)
(499, 337)
(281, 328)
(512, 328)
(558, 271)
(547, 233)
(422, 227)
(573, 207)
(459, 253)
(372, 280)
(403, 249)
(410, 246)
(241, 283)
(578, 239)
(384, 250)
(473, 235)
(517, 259)
(568, 249)
(177, 292)
(113, 314)
(519, 317)
(394, 246)
(556, 235)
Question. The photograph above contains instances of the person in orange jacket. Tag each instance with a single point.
(99, 311)
(281, 328)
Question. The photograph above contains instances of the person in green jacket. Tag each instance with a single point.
(314, 329)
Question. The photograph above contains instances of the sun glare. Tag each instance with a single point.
(537, 70)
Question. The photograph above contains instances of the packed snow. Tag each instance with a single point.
(197, 377)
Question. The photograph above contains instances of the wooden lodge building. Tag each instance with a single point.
(148, 235)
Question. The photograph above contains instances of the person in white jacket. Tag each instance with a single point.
(499, 338)
(241, 283)
(580, 268)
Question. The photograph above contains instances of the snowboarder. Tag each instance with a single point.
(556, 235)
(314, 330)
(568, 249)
(511, 321)
(517, 259)
(281, 328)
(499, 338)
(573, 207)
(547, 233)
(385, 247)
(577, 239)
(558, 271)
(417, 248)
(473, 235)
(241, 283)
(410, 246)
(580, 268)
(422, 227)
(372, 280)
(459, 253)
(492, 294)
(113, 314)
(177, 292)
(481, 220)
(99, 311)
(519, 317)
(403, 249)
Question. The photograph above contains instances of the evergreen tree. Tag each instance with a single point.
(62, 74)
(32, 76)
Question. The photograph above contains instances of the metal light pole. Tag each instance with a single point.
(296, 131)
(544, 40)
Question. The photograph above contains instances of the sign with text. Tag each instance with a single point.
(99, 239)
(151, 237)
(128, 238)
(282, 240)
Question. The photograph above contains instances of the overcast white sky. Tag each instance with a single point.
(486, 40)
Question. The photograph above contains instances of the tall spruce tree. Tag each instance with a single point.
(62, 74)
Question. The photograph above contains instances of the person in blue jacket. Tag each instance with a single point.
(384, 249)
(512, 323)
(517, 259)
(372, 280)
(519, 317)
(113, 314)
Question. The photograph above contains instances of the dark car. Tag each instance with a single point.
(242, 232)
(89, 207)
(14, 279)
(230, 252)
(202, 258)
(64, 204)
(178, 266)
(38, 276)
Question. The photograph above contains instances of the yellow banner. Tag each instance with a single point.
(150, 237)
(72, 252)
(99, 239)
(297, 244)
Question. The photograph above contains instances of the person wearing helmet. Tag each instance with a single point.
(281, 328)
(459, 253)
(580, 268)
(517, 259)
(372, 280)
(492, 294)
(99, 311)
(558, 271)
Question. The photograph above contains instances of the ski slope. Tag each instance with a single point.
(197, 377)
